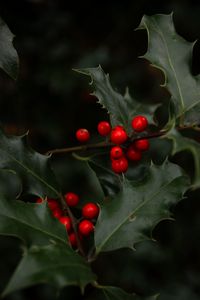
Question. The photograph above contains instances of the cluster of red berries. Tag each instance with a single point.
(120, 155)
(90, 212)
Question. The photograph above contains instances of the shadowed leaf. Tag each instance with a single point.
(170, 52)
(120, 108)
(55, 264)
(8, 56)
(133, 213)
(32, 167)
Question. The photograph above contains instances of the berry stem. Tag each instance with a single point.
(79, 148)
(149, 136)
(107, 143)
(67, 210)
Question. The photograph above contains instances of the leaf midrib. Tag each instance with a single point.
(184, 108)
(132, 213)
(156, 28)
(32, 173)
(33, 227)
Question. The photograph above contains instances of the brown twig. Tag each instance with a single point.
(101, 144)
(74, 224)
(149, 136)
(79, 148)
(105, 144)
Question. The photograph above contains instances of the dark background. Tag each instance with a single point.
(52, 101)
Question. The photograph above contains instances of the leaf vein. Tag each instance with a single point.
(133, 212)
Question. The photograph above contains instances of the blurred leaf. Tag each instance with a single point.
(173, 55)
(32, 167)
(181, 143)
(8, 55)
(55, 264)
(133, 213)
(115, 293)
(120, 108)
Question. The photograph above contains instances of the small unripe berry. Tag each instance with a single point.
(53, 204)
(90, 210)
(118, 135)
(133, 154)
(142, 145)
(120, 165)
(104, 128)
(82, 135)
(116, 152)
(86, 227)
(65, 220)
(72, 199)
(139, 123)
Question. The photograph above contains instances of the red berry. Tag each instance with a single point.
(116, 152)
(57, 213)
(39, 200)
(118, 135)
(53, 204)
(72, 239)
(86, 227)
(139, 123)
(120, 165)
(104, 128)
(82, 135)
(142, 145)
(65, 220)
(90, 210)
(72, 199)
(133, 154)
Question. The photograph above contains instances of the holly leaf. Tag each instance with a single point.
(31, 222)
(109, 180)
(10, 184)
(50, 258)
(120, 108)
(9, 61)
(181, 143)
(133, 213)
(55, 264)
(32, 167)
(115, 293)
(172, 54)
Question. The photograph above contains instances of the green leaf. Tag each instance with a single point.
(10, 184)
(139, 206)
(9, 61)
(181, 143)
(109, 180)
(173, 55)
(32, 167)
(120, 108)
(50, 259)
(54, 264)
(115, 293)
(31, 222)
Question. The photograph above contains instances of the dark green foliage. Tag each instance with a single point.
(134, 204)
